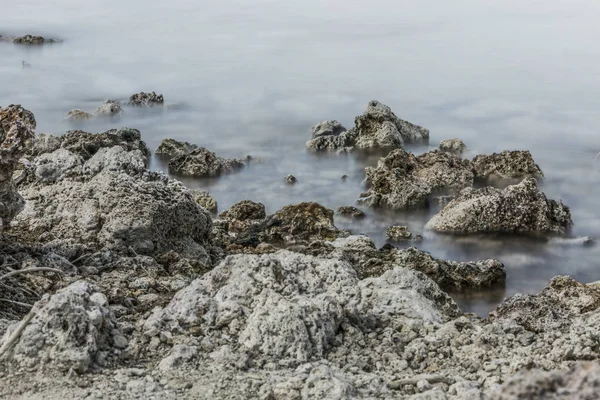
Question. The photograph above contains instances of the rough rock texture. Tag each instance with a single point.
(202, 163)
(96, 189)
(32, 40)
(78, 115)
(301, 222)
(580, 382)
(327, 128)
(110, 108)
(72, 329)
(245, 210)
(170, 148)
(455, 146)
(290, 179)
(17, 127)
(351, 211)
(506, 167)
(521, 208)
(143, 99)
(403, 181)
(377, 128)
(205, 200)
(398, 233)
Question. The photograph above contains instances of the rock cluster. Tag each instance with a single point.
(377, 128)
(143, 99)
(32, 40)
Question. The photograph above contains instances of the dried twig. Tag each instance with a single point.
(17, 303)
(16, 334)
(24, 271)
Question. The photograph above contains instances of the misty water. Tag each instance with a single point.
(252, 77)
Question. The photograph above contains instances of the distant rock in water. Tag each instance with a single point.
(110, 108)
(506, 167)
(521, 208)
(291, 179)
(205, 200)
(33, 40)
(170, 148)
(398, 233)
(202, 163)
(78, 115)
(351, 212)
(144, 99)
(377, 128)
(455, 146)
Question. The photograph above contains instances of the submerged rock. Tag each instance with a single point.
(377, 128)
(78, 115)
(398, 233)
(351, 211)
(403, 181)
(110, 108)
(32, 40)
(290, 179)
(202, 163)
(455, 146)
(506, 167)
(521, 208)
(72, 329)
(143, 99)
(17, 127)
(170, 148)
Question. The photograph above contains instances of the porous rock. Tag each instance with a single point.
(69, 330)
(32, 40)
(351, 211)
(305, 221)
(110, 108)
(201, 162)
(205, 200)
(17, 127)
(397, 233)
(506, 167)
(521, 208)
(170, 148)
(327, 128)
(143, 99)
(78, 115)
(455, 146)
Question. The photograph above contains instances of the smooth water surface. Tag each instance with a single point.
(251, 77)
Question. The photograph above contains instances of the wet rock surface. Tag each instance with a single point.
(351, 212)
(205, 200)
(301, 223)
(110, 108)
(170, 148)
(398, 233)
(521, 208)
(506, 167)
(144, 99)
(455, 146)
(201, 163)
(377, 128)
(32, 40)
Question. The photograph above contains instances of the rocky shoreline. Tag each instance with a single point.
(119, 282)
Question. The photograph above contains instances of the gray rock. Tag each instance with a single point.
(179, 355)
(521, 208)
(455, 146)
(398, 233)
(327, 128)
(69, 331)
(87, 144)
(78, 115)
(17, 127)
(143, 99)
(201, 163)
(170, 148)
(377, 128)
(351, 211)
(32, 40)
(205, 200)
(290, 179)
(110, 108)
(506, 168)
(303, 222)
(245, 210)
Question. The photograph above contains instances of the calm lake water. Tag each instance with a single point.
(252, 77)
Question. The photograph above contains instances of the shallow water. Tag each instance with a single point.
(245, 77)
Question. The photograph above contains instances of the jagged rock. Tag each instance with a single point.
(351, 211)
(291, 179)
(205, 200)
(17, 127)
(327, 128)
(551, 309)
(521, 208)
(301, 222)
(455, 146)
(32, 40)
(403, 181)
(580, 382)
(506, 167)
(377, 128)
(398, 233)
(245, 210)
(78, 115)
(307, 301)
(202, 163)
(146, 99)
(110, 108)
(72, 329)
(170, 148)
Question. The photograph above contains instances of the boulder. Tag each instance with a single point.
(205, 200)
(78, 115)
(32, 40)
(143, 99)
(521, 208)
(303, 222)
(17, 127)
(170, 148)
(290, 179)
(245, 210)
(455, 146)
(505, 168)
(351, 212)
(398, 233)
(110, 108)
(71, 329)
(377, 128)
(201, 163)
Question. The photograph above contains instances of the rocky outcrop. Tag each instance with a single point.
(303, 222)
(351, 212)
(403, 181)
(143, 99)
(32, 40)
(78, 115)
(398, 233)
(170, 148)
(205, 200)
(521, 208)
(110, 108)
(455, 146)
(377, 128)
(72, 329)
(200, 163)
(17, 127)
(505, 168)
